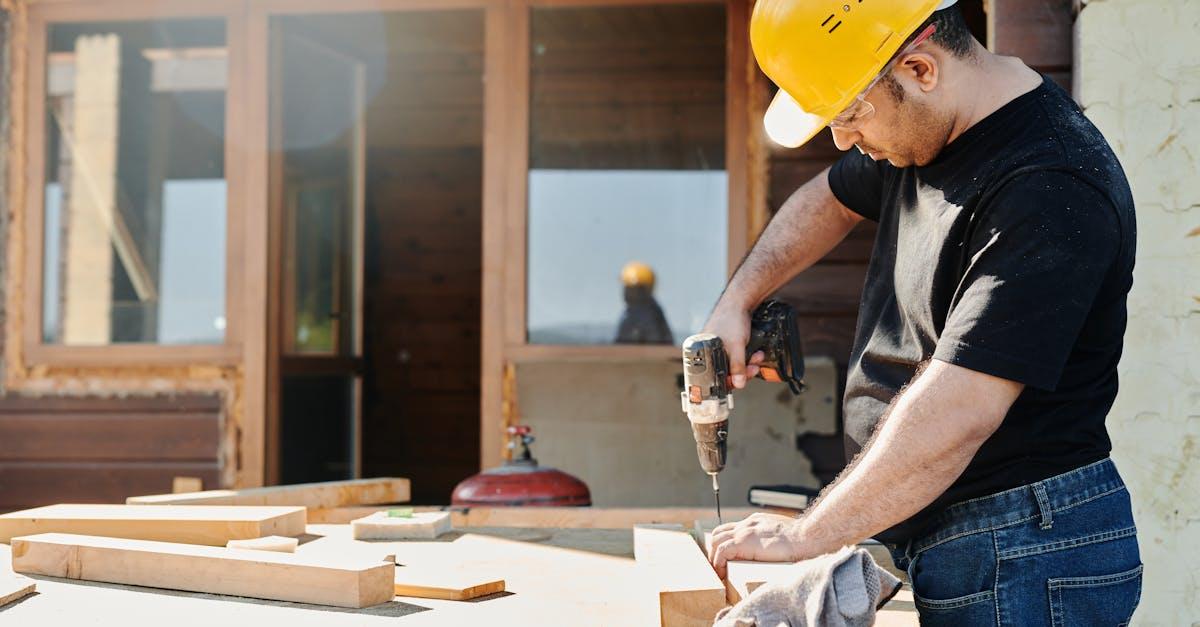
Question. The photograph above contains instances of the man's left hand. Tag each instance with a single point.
(761, 538)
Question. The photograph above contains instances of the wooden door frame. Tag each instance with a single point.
(264, 344)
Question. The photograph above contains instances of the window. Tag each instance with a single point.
(134, 203)
(626, 164)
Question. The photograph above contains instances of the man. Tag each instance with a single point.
(991, 321)
(643, 321)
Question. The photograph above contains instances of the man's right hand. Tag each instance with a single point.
(731, 323)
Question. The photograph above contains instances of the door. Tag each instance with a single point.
(378, 179)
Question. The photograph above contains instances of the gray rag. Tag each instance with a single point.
(842, 588)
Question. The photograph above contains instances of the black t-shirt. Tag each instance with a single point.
(1010, 254)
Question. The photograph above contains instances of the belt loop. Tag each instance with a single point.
(1043, 502)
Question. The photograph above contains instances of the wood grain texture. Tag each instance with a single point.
(210, 525)
(449, 585)
(14, 587)
(96, 450)
(325, 494)
(688, 589)
(347, 582)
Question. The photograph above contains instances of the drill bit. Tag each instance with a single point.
(717, 497)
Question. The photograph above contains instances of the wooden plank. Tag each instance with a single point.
(211, 525)
(451, 586)
(688, 589)
(346, 582)
(544, 517)
(83, 435)
(13, 588)
(25, 484)
(326, 494)
(1038, 31)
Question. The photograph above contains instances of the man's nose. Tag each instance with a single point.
(845, 139)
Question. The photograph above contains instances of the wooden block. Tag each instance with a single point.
(327, 494)
(420, 526)
(182, 485)
(451, 586)
(14, 587)
(688, 589)
(278, 544)
(193, 524)
(345, 582)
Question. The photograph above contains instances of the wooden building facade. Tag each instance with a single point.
(264, 241)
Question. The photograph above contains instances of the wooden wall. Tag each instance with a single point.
(90, 450)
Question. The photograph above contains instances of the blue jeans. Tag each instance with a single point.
(1062, 551)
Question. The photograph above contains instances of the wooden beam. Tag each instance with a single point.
(209, 525)
(317, 495)
(15, 587)
(347, 582)
(544, 517)
(688, 589)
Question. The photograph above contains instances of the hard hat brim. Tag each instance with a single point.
(788, 124)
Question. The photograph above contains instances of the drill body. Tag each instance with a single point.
(707, 397)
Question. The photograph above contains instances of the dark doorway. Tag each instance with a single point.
(381, 137)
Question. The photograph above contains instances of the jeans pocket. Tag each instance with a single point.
(954, 582)
(1098, 600)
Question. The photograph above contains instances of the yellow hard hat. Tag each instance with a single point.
(637, 273)
(822, 54)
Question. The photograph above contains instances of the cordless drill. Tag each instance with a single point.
(707, 385)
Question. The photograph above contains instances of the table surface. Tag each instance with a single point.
(553, 577)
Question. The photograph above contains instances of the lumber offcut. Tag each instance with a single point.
(343, 582)
(13, 587)
(688, 589)
(211, 525)
(421, 582)
(327, 494)
(416, 526)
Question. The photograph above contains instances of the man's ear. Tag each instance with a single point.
(922, 68)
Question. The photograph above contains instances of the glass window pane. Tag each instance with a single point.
(627, 184)
(135, 200)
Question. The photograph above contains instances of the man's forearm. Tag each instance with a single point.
(808, 225)
(924, 444)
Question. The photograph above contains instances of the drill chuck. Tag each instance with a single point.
(710, 444)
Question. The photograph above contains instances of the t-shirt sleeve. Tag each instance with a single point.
(857, 182)
(1038, 258)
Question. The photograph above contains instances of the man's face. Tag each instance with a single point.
(907, 128)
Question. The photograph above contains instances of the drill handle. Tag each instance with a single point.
(773, 331)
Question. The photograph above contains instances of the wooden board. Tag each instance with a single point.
(451, 586)
(419, 526)
(327, 494)
(688, 589)
(545, 517)
(15, 587)
(211, 525)
(346, 582)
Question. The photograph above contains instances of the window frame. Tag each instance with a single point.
(740, 146)
(36, 352)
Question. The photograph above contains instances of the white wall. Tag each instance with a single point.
(620, 428)
(1138, 78)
